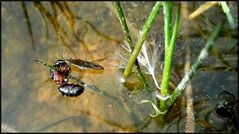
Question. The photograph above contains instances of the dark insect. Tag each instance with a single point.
(71, 89)
(59, 77)
(62, 66)
(60, 74)
(224, 116)
(227, 106)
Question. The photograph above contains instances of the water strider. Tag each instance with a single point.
(60, 74)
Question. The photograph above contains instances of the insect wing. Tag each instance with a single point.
(85, 64)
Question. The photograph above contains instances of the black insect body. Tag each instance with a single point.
(224, 117)
(60, 74)
(62, 66)
(227, 106)
(71, 90)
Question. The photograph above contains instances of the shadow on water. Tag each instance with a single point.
(91, 31)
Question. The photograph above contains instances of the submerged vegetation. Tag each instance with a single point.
(148, 58)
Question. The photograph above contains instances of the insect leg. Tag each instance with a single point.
(78, 80)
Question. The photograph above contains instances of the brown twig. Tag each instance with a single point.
(190, 124)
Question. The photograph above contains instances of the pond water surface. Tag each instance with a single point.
(91, 31)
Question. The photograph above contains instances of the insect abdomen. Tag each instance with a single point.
(71, 89)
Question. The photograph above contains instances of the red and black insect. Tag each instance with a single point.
(60, 74)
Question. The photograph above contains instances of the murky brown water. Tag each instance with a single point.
(91, 31)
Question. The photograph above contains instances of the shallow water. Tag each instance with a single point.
(31, 101)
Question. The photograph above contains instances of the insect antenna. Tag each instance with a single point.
(47, 65)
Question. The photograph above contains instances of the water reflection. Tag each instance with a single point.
(31, 101)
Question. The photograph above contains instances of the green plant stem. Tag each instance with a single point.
(203, 54)
(167, 8)
(167, 23)
(127, 36)
(138, 46)
(124, 24)
(226, 10)
(168, 57)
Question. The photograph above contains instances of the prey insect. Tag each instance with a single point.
(60, 74)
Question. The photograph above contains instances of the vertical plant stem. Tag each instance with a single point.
(167, 9)
(167, 23)
(168, 57)
(124, 24)
(127, 36)
(226, 10)
(203, 54)
(138, 46)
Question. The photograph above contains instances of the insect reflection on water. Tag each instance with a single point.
(60, 74)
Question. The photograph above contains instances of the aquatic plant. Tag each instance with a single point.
(169, 44)
(128, 39)
(146, 28)
(146, 57)
(149, 58)
(226, 10)
(188, 76)
(202, 56)
(208, 5)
